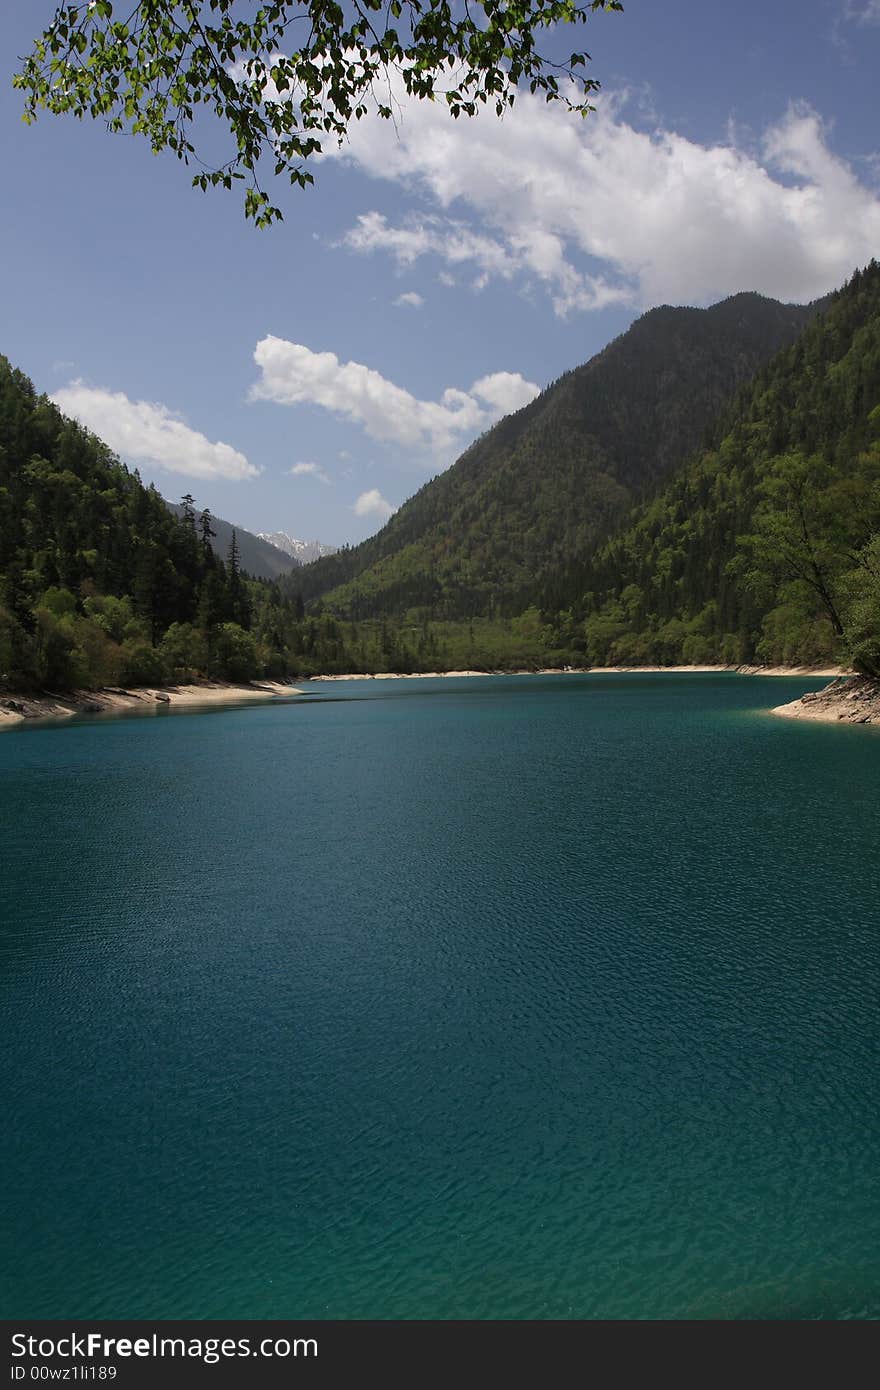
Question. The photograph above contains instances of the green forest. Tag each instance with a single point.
(101, 584)
(766, 547)
(702, 524)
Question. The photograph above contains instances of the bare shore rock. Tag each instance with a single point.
(115, 700)
(847, 700)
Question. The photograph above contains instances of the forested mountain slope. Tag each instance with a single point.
(101, 583)
(545, 484)
(767, 546)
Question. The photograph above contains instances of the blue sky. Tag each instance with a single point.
(311, 377)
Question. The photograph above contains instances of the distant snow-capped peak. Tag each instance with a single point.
(304, 551)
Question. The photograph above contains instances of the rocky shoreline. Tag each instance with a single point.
(847, 700)
(16, 708)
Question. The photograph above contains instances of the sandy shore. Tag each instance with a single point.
(16, 708)
(810, 671)
(848, 700)
(817, 671)
(442, 675)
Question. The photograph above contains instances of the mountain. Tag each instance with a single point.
(102, 582)
(549, 483)
(762, 544)
(304, 552)
(767, 546)
(257, 554)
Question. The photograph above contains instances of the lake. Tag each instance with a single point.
(521, 997)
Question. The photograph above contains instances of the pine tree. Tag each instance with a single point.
(205, 530)
(239, 604)
(233, 563)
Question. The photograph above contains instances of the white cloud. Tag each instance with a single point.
(866, 13)
(458, 245)
(372, 503)
(409, 300)
(504, 392)
(599, 212)
(309, 470)
(292, 374)
(147, 432)
(454, 241)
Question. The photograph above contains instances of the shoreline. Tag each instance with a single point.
(848, 700)
(16, 709)
(808, 672)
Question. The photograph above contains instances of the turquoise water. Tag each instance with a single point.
(517, 997)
